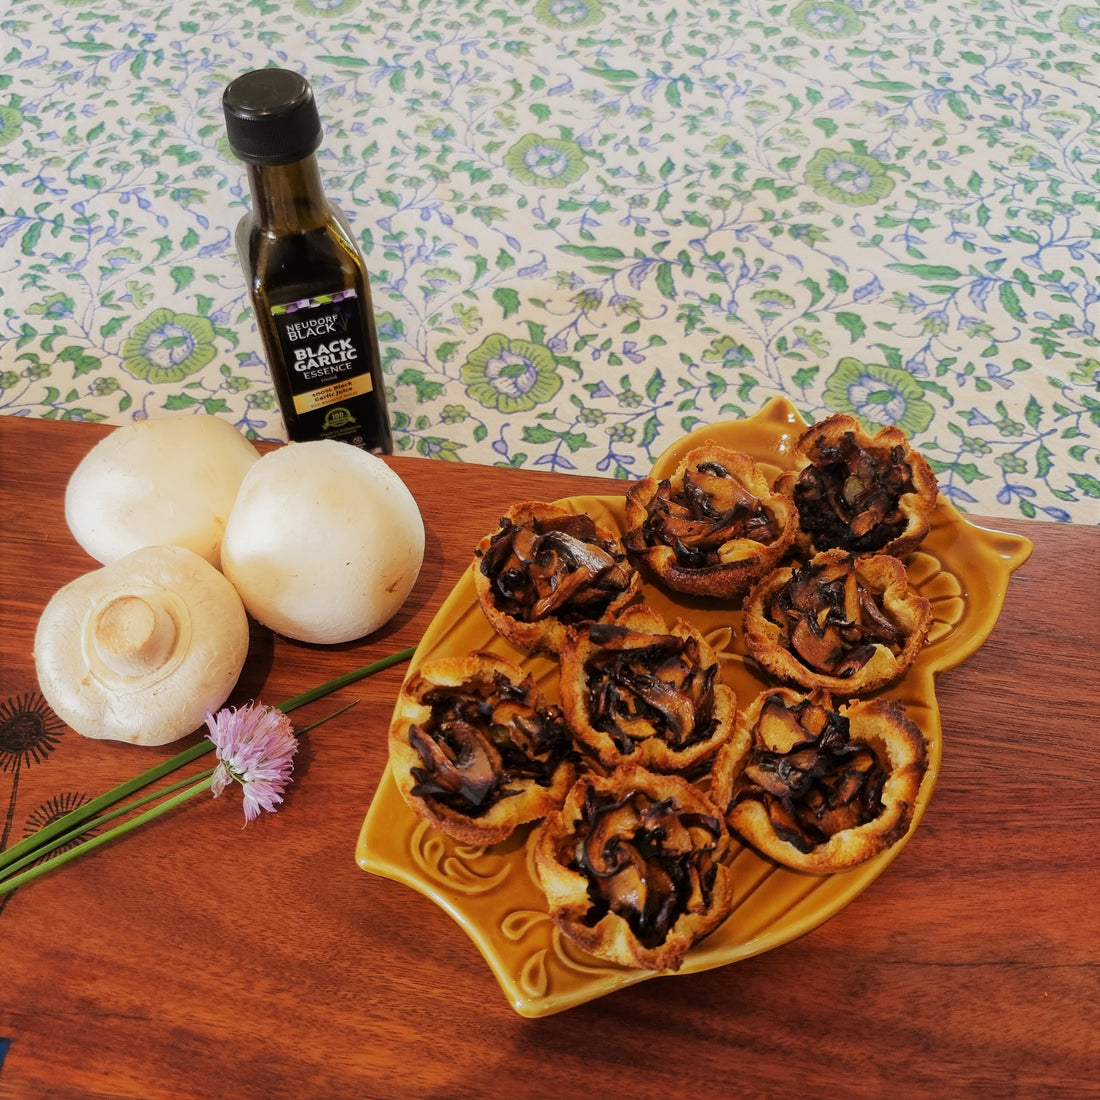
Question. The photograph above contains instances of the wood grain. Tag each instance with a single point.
(196, 958)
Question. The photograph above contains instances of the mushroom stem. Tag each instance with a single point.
(134, 635)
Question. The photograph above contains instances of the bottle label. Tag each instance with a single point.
(324, 350)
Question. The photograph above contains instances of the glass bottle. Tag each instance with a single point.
(306, 277)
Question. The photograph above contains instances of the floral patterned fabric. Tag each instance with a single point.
(592, 225)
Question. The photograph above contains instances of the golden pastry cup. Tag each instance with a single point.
(528, 801)
(885, 578)
(637, 628)
(611, 937)
(740, 560)
(913, 508)
(545, 633)
(882, 725)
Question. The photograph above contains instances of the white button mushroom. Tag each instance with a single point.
(168, 481)
(324, 542)
(141, 649)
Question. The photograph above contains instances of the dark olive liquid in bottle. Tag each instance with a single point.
(306, 277)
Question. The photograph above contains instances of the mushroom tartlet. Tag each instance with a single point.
(859, 492)
(640, 692)
(847, 624)
(713, 527)
(547, 568)
(632, 867)
(817, 789)
(476, 750)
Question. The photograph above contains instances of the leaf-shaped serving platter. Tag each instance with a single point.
(492, 892)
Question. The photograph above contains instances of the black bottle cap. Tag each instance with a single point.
(271, 117)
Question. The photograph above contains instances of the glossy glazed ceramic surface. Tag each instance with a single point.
(493, 894)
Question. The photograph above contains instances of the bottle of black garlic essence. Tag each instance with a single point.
(306, 276)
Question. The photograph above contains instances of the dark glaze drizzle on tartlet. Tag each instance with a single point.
(710, 510)
(483, 736)
(832, 620)
(848, 496)
(556, 566)
(822, 784)
(644, 859)
(661, 688)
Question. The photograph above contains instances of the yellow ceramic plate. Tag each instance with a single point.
(492, 893)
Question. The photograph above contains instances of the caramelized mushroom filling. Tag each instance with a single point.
(648, 861)
(832, 621)
(480, 737)
(556, 568)
(822, 784)
(849, 497)
(656, 689)
(711, 509)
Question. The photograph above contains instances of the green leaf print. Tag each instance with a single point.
(665, 283)
(594, 252)
(82, 362)
(1088, 484)
(426, 390)
(1008, 297)
(654, 386)
(886, 85)
(934, 272)
(855, 324)
(30, 239)
(182, 277)
(616, 76)
(507, 299)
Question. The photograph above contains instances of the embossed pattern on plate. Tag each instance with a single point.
(492, 892)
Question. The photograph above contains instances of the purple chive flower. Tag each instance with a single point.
(255, 746)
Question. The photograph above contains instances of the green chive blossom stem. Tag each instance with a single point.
(99, 810)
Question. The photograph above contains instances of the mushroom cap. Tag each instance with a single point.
(324, 542)
(142, 649)
(168, 481)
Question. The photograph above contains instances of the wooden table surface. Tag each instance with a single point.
(197, 958)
